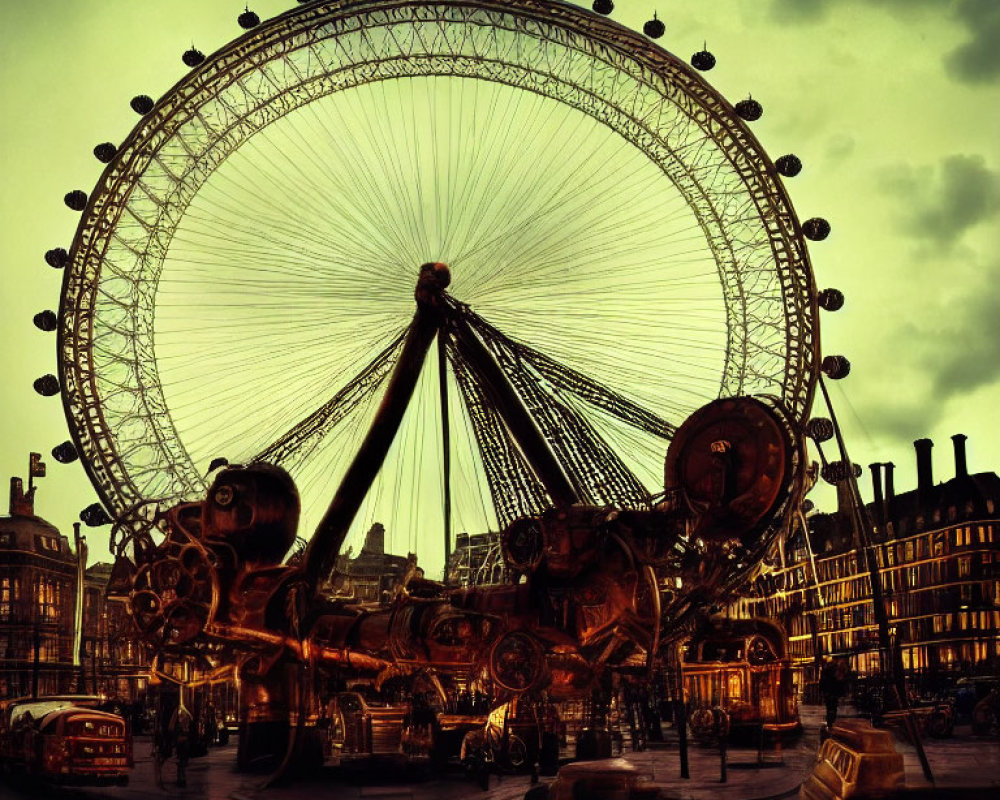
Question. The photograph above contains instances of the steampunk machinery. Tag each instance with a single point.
(592, 587)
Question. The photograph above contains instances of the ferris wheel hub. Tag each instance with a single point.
(434, 278)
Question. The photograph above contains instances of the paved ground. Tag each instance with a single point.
(964, 767)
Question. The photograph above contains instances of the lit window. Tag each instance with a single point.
(6, 596)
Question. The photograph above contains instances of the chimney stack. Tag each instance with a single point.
(925, 475)
(878, 503)
(22, 504)
(890, 489)
(876, 470)
(961, 469)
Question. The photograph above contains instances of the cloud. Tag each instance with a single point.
(949, 348)
(900, 417)
(977, 60)
(963, 347)
(940, 204)
(803, 11)
(840, 147)
(947, 352)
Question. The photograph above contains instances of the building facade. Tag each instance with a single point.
(38, 580)
(937, 548)
(113, 661)
(44, 647)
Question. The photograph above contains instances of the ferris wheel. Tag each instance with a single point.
(241, 282)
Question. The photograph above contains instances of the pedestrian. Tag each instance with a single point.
(211, 724)
(832, 683)
(162, 746)
(181, 732)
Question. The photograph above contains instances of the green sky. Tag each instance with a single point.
(892, 105)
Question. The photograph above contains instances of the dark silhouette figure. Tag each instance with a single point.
(181, 734)
(832, 685)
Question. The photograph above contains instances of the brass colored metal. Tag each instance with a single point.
(856, 761)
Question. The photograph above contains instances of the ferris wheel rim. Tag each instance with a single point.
(81, 396)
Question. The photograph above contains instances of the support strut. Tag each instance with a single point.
(321, 554)
(445, 441)
(516, 417)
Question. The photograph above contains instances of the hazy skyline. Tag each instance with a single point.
(892, 107)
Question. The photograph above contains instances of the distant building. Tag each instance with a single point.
(938, 553)
(373, 575)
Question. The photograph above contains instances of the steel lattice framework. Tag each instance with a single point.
(109, 371)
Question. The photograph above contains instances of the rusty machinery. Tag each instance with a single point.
(593, 588)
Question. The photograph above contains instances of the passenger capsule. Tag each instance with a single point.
(46, 320)
(193, 57)
(836, 367)
(788, 165)
(47, 385)
(831, 299)
(816, 229)
(749, 109)
(56, 257)
(76, 200)
(604, 6)
(104, 152)
(654, 28)
(703, 60)
(248, 20)
(65, 453)
(142, 104)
